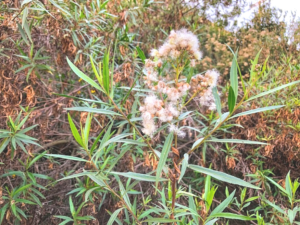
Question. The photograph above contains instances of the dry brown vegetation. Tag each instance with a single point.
(52, 86)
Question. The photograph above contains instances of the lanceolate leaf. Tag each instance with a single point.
(258, 110)
(211, 222)
(237, 141)
(105, 72)
(114, 216)
(97, 179)
(124, 194)
(276, 207)
(273, 90)
(183, 166)
(163, 157)
(197, 143)
(75, 132)
(234, 76)
(139, 176)
(141, 54)
(231, 99)
(221, 176)
(99, 77)
(3, 144)
(233, 216)
(67, 157)
(86, 173)
(222, 118)
(254, 63)
(94, 110)
(160, 220)
(83, 76)
(220, 208)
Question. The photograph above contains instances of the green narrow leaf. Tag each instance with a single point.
(13, 143)
(77, 175)
(2, 212)
(35, 159)
(197, 143)
(23, 34)
(16, 192)
(288, 186)
(3, 144)
(83, 76)
(163, 156)
(67, 157)
(97, 179)
(115, 139)
(217, 100)
(99, 77)
(276, 207)
(273, 90)
(222, 118)
(25, 201)
(221, 176)
(27, 129)
(220, 208)
(234, 216)
(183, 166)
(277, 185)
(114, 216)
(25, 14)
(96, 141)
(141, 54)
(105, 72)
(124, 194)
(94, 110)
(258, 110)
(72, 208)
(87, 194)
(139, 176)
(254, 63)
(211, 222)
(234, 76)
(74, 130)
(237, 141)
(231, 99)
(60, 8)
(160, 220)
(86, 131)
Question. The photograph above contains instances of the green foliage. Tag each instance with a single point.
(75, 217)
(15, 135)
(100, 40)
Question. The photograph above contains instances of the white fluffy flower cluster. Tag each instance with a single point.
(165, 110)
(204, 85)
(149, 110)
(178, 42)
(165, 104)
